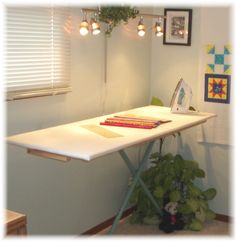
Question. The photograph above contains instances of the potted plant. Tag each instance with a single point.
(172, 177)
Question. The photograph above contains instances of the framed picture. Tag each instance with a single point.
(177, 26)
(217, 88)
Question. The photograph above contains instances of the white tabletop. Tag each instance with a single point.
(73, 140)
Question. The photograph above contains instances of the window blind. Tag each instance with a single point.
(37, 52)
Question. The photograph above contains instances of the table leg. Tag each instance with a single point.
(132, 170)
(131, 188)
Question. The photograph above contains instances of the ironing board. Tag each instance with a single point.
(87, 140)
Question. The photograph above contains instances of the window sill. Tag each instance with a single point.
(16, 95)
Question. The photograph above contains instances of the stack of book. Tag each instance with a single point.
(133, 122)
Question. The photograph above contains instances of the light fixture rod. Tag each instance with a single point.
(151, 15)
(91, 10)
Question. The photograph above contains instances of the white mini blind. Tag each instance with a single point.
(37, 52)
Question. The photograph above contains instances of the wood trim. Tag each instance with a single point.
(48, 155)
(223, 218)
(98, 228)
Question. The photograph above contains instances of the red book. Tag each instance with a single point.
(132, 121)
(127, 125)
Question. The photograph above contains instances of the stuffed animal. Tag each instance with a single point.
(171, 220)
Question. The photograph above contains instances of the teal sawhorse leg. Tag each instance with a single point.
(136, 179)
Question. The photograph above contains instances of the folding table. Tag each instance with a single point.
(87, 140)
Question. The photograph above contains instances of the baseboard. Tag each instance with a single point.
(223, 218)
(98, 228)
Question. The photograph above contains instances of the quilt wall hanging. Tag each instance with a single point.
(217, 76)
(215, 89)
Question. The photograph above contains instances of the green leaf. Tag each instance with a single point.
(165, 168)
(203, 204)
(178, 164)
(159, 193)
(193, 204)
(196, 225)
(190, 164)
(172, 170)
(177, 168)
(159, 178)
(168, 157)
(167, 183)
(194, 191)
(199, 173)
(210, 215)
(191, 108)
(156, 101)
(187, 176)
(175, 196)
(155, 155)
(200, 215)
(178, 158)
(184, 209)
(151, 220)
(209, 194)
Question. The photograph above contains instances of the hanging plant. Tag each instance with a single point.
(114, 16)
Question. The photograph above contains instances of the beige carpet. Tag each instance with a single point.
(214, 228)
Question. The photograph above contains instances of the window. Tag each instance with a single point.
(37, 52)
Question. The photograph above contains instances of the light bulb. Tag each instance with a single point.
(158, 29)
(141, 32)
(141, 28)
(84, 27)
(95, 27)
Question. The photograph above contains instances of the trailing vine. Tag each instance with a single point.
(114, 16)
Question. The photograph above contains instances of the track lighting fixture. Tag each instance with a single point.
(141, 27)
(94, 25)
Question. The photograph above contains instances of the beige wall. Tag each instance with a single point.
(168, 65)
(71, 198)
